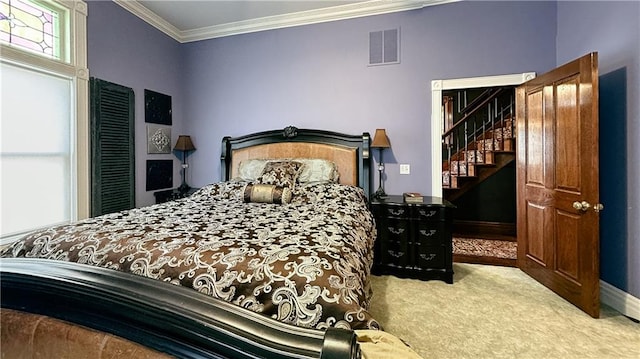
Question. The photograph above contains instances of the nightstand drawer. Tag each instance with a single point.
(396, 229)
(431, 233)
(429, 214)
(396, 212)
(396, 253)
(431, 256)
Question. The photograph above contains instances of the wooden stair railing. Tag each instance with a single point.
(480, 144)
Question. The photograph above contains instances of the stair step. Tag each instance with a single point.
(476, 156)
(462, 168)
(509, 144)
(446, 179)
(493, 144)
(453, 182)
(458, 181)
(498, 133)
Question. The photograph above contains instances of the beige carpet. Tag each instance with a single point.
(497, 312)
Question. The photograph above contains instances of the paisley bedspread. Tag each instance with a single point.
(306, 262)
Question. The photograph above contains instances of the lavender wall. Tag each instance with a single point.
(317, 76)
(126, 50)
(613, 30)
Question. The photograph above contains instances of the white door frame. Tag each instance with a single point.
(437, 86)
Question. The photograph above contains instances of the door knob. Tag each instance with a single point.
(584, 206)
(581, 206)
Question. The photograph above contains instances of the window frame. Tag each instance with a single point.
(73, 65)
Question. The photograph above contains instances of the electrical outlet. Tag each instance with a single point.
(405, 169)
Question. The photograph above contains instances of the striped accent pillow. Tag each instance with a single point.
(266, 193)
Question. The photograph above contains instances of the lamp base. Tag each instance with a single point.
(184, 188)
(379, 194)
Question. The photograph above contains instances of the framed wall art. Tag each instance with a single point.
(157, 108)
(158, 139)
(159, 174)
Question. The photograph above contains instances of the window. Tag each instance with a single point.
(33, 26)
(44, 132)
(36, 149)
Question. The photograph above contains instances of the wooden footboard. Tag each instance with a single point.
(159, 316)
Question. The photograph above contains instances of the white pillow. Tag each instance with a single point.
(250, 170)
(318, 170)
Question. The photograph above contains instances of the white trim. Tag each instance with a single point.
(151, 18)
(436, 137)
(82, 177)
(18, 56)
(437, 86)
(620, 300)
(343, 12)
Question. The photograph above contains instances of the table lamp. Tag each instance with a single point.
(184, 145)
(380, 141)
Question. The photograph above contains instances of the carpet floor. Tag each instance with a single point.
(497, 312)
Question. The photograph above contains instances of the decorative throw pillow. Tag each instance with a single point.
(281, 173)
(266, 193)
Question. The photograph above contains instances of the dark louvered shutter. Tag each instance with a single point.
(112, 148)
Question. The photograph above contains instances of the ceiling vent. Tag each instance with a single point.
(384, 47)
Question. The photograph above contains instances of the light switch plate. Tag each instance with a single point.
(405, 169)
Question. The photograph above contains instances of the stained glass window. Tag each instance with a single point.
(30, 25)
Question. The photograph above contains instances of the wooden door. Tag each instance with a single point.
(557, 181)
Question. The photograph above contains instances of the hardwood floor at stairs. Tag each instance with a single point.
(485, 251)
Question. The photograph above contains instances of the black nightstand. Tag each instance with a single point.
(414, 239)
(172, 194)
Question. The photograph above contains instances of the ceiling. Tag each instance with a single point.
(189, 15)
(188, 20)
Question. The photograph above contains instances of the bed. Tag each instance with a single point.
(272, 261)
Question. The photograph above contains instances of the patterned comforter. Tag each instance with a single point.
(306, 263)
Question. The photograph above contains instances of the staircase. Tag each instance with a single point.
(480, 143)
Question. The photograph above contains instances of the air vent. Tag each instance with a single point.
(384, 47)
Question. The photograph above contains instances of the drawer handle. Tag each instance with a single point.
(430, 214)
(428, 257)
(396, 212)
(428, 234)
(396, 231)
(396, 254)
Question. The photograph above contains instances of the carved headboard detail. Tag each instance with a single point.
(349, 152)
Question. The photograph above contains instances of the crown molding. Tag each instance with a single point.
(151, 18)
(343, 12)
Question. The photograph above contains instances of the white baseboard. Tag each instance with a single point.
(620, 300)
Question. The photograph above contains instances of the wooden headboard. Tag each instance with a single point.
(349, 152)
